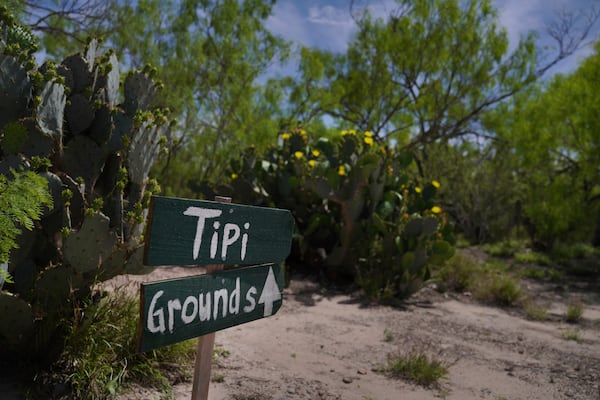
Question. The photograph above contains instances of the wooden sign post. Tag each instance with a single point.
(205, 346)
(194, 232)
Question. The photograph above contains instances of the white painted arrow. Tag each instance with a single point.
(270, 293)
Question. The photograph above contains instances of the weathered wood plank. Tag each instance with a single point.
(195, 232)
(178, 309)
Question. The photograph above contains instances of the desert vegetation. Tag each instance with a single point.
(429, 138)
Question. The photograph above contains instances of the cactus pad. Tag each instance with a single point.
(85, 249)
(90, 53)
(37, 142)
(83, 157)
(115, 264)
(123, 124)
(135, 264)
(15, 88)
(102, 125)
(430, 225)
(79, 114)
(80, 72)
(11, 162)
(144, 150)
(50, 112)
(75, 210)
(139, 92)
(16, 319)
(24, 275)
(55, 287)
(112, 82)
(55, 188)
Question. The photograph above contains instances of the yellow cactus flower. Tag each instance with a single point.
(316, 153)
(436, 209)
(436, 184)
(286, 136)
(369, 141)
(234, 176)
(369, 134)
(418, 189)
(341, 170)
(298, 154)
(344, 132)
(312, 163)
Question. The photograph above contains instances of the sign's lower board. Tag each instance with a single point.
(179, 309)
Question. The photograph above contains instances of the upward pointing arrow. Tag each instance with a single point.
(270, 293)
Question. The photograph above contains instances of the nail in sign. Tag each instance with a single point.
(194, 232)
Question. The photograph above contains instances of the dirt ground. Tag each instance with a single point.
(327, 345)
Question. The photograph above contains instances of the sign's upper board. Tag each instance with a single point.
(195, 232)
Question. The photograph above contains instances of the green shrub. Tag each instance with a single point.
(23, 197)
(416, 367)
(535, 312)
(504, 248)
(574, 335)
(100, 357)
(533, 273)
(568, 251)
(532, 257)
(574, 312)
(457, 274)
(499, 289)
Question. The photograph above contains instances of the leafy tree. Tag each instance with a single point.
(427, 72)
(424, 74)
(212, 54)
(479, 188)
(554, 134)
(65, 25)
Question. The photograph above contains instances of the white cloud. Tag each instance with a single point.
(287, 21)
(329, 15)
(327, 27)
(519, 17)
(327, 24)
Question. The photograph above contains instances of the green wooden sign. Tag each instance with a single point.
(178, 309)
(194, 232)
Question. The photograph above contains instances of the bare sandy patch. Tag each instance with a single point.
(325, 345)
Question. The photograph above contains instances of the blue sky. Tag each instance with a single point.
(327, 23)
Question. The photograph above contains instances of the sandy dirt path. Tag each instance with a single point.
(323, 345)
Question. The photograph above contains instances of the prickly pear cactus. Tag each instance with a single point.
(359, 214)
(17, 320)
(15, 87)
(51, 109)
(68, 123)
(94, 242)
